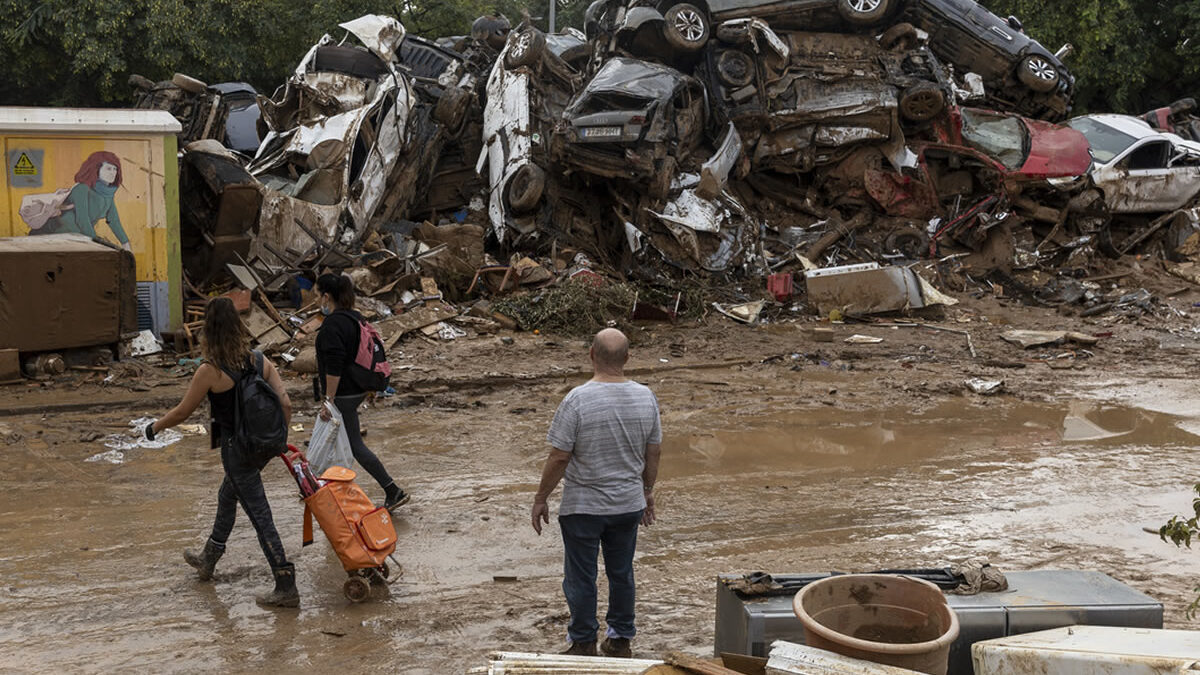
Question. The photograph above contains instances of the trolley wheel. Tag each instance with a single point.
(383, 570)
(356, 589)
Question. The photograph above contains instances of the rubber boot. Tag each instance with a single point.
(206, 559)
(285, 593)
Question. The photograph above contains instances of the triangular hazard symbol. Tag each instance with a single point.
(24, 166)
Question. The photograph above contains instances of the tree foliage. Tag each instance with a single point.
(1130, 55)
(1180, 531)
(66, 52)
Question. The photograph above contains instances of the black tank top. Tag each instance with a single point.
(221, 410)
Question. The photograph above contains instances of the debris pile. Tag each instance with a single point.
(559, 180)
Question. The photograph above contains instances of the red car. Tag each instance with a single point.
(979, 156)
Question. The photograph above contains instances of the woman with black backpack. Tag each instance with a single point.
(226, 347)
(337, 346)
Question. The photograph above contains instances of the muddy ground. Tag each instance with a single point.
(781, 453)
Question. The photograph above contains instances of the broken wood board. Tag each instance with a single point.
(10, 366)
(1038, 338)
(414, 319)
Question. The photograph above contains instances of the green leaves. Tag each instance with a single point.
(1180, 532)
(65, 52)
(1131, 55)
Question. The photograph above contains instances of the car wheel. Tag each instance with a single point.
(451, 108)
(664, 175)
(524, 189)
(908, 241)
(899, 38)
(864, 12)
(735, 68)
(686, 27)
(922, 102)
(525, 49)
(1038, 73)
(492, 30)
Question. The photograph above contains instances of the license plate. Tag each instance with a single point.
(601, 132)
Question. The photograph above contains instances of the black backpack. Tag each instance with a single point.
(259, 428)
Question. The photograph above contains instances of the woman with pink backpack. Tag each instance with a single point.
(350, 363)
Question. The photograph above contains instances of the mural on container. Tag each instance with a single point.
(80, 208)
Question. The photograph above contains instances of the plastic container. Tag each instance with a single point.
(894, 620)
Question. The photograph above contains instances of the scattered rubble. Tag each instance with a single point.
(890, 154)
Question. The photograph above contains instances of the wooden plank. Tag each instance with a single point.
(415, 319)
(10, 365)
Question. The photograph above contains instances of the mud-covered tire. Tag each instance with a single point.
(899, 38)
(357, 589)
(491, 30)
(140, 82)
(922, 102)
(686, 27)
(735, 68)
(664, 176)
(864, 12)
(189, 84)
(908, 241)
(525, 48)
(524, 189)
(452, 107)
(1038, 73)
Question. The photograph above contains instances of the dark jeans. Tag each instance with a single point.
(244, 484)
(583, 537)
(348, 406)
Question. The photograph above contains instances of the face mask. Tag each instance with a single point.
(326, 311)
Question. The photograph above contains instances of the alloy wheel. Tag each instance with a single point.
(690, 25)
(865, 6)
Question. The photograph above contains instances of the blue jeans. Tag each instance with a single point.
(583, 538)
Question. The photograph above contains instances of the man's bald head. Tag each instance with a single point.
(610, 350)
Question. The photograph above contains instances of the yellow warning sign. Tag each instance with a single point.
(24, 167)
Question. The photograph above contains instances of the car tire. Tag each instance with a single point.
(524, 189)
(922, 102)
(909, 241)
(899, 38)
(141, 82)
(525, 48)
(492, 30)
(451, 109)
(1038, 73)
(864, 12)
(686, 27)
(664, 175)
(735, 68)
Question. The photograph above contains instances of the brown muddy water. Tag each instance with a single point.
(754, 477)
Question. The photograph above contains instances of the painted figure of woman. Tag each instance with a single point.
(91, 199)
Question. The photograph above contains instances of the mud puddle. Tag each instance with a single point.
(754, 477)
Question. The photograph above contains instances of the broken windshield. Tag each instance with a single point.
(1107, 143)
(1004, 139)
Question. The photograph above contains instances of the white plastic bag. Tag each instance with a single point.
(329, 445)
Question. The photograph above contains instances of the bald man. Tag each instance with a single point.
(605, 441)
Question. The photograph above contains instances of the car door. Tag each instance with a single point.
(1149, 178)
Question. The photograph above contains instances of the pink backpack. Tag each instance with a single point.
(370, 369)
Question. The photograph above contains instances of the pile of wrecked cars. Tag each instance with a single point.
(728, 138)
